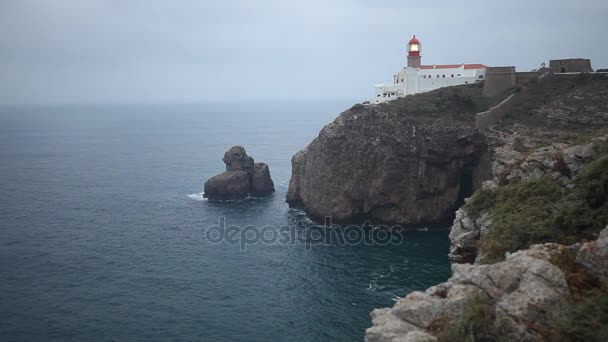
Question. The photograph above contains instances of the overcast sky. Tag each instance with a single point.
(136, 51)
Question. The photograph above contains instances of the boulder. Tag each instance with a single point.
(242, 177)
(261, 183)
(228, 185)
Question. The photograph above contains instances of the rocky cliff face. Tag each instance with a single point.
(519, 299)
(510, 280)
(558, 162)
(392, 164)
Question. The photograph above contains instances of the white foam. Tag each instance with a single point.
(197, 197)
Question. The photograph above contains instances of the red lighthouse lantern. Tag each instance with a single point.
(413, 47)
(413, 53)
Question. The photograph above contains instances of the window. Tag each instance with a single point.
(443, 76)
(437, 76)
(402, 80)
(452, 75)
(481, 77)
(458, 75)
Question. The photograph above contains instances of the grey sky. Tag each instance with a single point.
(58, 51)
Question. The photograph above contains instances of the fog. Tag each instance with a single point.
(148, 51)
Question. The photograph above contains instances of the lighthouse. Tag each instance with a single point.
(416, 78)
(413, 53)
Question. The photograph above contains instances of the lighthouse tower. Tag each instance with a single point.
(417, 78)
(413, 53)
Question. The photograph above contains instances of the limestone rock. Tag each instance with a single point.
(560, 162)
(387, 166)
(236, 159)
(523, 292)
(261, 183)
(242, 177)
(576, 156)
(593, 256)
(465, 234)
(228, 185)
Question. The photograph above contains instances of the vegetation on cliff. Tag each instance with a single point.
(459, 103)
(541, 210)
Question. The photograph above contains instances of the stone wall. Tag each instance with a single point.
(570, 65)
(523, 77)
(488, 118)
(498, 79)
(493, 115)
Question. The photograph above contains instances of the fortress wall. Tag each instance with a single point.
(498, 79)
(493, 115)
(570, 65)
(522, 77)
(488, 118)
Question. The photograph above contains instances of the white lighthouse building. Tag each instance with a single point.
(417, 78)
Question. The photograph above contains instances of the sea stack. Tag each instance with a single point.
(242, 177)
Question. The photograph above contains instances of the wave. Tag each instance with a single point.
(197, 196)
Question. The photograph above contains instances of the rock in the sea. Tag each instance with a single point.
(228, 185)
(388, 166)
(261, 183)
(236, 159)
(242, 177)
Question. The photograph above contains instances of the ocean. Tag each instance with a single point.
(104, 232)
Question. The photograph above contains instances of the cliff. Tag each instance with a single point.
(530, 256)
(413, 160)
(530, 262)
(549, 292)
(410, 161)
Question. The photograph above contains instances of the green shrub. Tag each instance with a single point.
(473, 324)
(541, 210)
(586, 320)
(481, 200)
(594, 182)
(523, 215)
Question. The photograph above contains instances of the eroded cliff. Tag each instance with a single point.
(411, 161)
(530, 261)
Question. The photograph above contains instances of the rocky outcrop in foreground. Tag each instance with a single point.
(387, 165)
(558, 162)
(519, 299)
(242, 177)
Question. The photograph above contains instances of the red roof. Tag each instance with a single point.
(453, 66)
(414, 40)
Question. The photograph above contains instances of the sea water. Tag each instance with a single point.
(103, 231)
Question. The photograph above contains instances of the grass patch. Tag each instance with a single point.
(458, 103)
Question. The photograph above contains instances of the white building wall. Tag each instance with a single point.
(422, 80)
